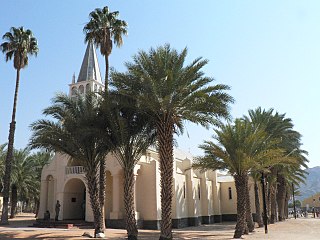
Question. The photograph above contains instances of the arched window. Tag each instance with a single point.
(184, 190)
(95, 87)
(73, 91)
(199, 193)
(230, 193)
(81, 89)
(88, 88)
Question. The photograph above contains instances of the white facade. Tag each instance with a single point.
(199, 197)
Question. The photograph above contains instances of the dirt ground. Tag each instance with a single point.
(292, 229)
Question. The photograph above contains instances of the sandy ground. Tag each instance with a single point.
(292, 229)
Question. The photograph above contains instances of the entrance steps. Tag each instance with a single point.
(66, 224)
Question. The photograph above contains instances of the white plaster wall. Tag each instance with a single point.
(147, 191)
(180, 209)
(190, 193)
(197, 200)
(228, 206)
(48, 197)
(109, 195)
(213, 194)
(206, 196)
(121, 193)
(217, 199)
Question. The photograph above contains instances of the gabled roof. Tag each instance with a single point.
(90, 67)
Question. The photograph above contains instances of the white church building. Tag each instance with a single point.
(199, 197)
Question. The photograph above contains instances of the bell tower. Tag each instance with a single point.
(89, 79)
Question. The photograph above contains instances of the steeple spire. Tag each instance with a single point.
(73, 78)
(90, 68)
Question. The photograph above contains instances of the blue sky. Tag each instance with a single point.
(267, 51)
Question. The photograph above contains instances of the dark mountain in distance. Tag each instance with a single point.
(312, 185)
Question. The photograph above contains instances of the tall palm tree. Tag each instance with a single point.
(103, 28)
(171, 92)
(133, 136)
(74, 133)
(18, 45)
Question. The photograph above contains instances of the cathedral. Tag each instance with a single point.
(199, 197)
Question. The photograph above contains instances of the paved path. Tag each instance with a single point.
(292, 229)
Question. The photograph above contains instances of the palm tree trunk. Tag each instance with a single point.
(37, 203)
(273, 200)
(106, 77)
(165, 144)
(27, 205)
(269, 202)
(130, 218)
(286, 213)
(102, 189)
(14, 200)
(240, 182)
(257, 205)
(281, 195)
(249, 218)
(94, 200)
(9, 157)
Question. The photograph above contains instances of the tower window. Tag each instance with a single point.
(184, 190)
(87, 88)
(230, 193)
(199, 193)
(81, 89)
(73, 91)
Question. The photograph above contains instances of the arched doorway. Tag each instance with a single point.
(74, 199)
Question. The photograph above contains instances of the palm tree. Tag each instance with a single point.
(23, 178)
(103, 27)
(279, 127)
(286, 175)
(133, 136)
(240, 148)
(230, 154)
(74, 133)
(171, 93)
(256, 177)
(18, 45)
